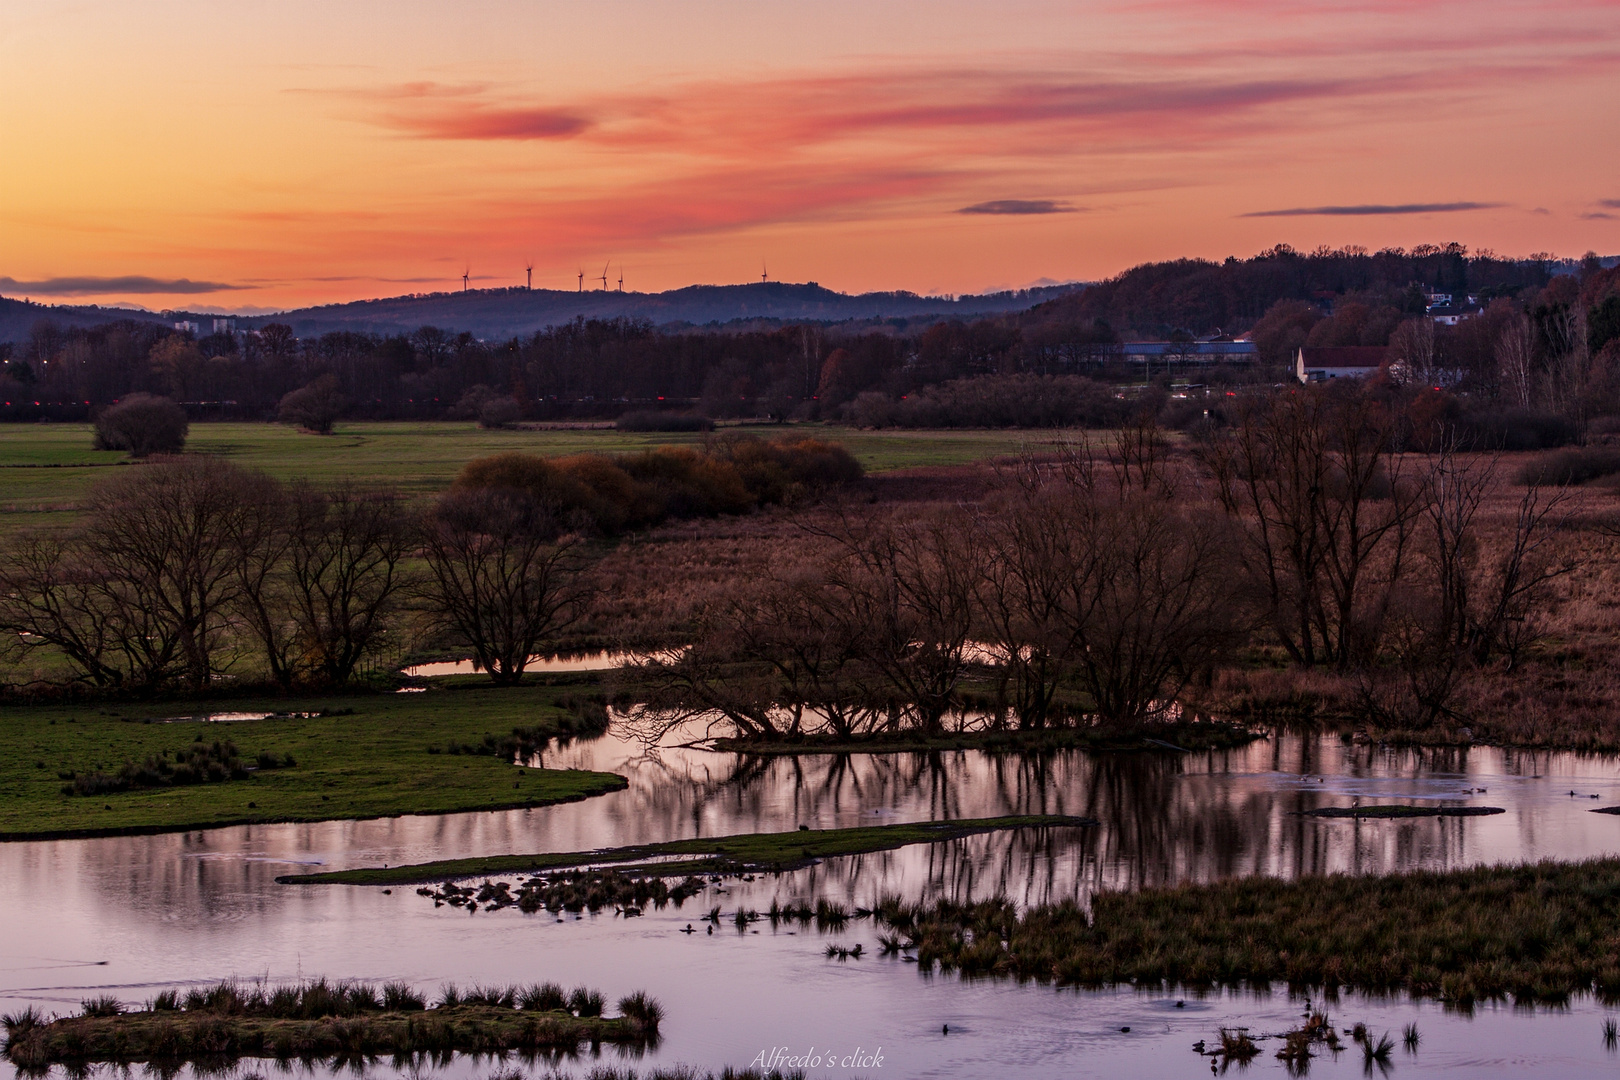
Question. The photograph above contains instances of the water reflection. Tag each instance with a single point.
(133, 914)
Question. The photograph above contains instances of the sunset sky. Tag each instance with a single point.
(255, 155)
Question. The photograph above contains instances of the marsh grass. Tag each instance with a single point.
(1411, 1037)
(322, 1019)
(1236, 1045)
(105, 1005)
(1538, 933)
(1611, 1033)
(1377, 1052)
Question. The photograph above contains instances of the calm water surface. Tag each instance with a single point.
(132, 915)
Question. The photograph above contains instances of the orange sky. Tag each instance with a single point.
(254, 155)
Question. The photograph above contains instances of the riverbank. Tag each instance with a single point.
(746, 853)
(1538, 933)
(98, 770)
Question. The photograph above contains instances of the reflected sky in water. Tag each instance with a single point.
(131, 915)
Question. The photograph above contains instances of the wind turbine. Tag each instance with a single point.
(528, 270)
(762, 274)
(604, 274)
(582, 279)
(465, 274)
(621, 277)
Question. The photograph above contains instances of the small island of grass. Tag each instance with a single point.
(321, 1020)
(750, 852)
(1539, 933)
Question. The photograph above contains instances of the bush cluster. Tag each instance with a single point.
(142, 424)
(610, 494)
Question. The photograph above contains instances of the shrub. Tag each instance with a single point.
(499, 412)
(611, 494)
(653, 420)
(474, 398)
(1516, 430)
(315, 407)
(1571, 466)
(142, 424)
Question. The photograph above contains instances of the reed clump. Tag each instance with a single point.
(1534, 933)
(575, 891)
(322, 1019)
(200, 763)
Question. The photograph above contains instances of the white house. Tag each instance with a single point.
(1323, 363)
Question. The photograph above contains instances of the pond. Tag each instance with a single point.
(132, 915)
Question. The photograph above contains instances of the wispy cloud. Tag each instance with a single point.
(1019, 206)
(134, 285)
(1374, 209)
(1598, 215)
(1612, 204)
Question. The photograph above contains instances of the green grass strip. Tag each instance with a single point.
(720, 854)
(369, 755)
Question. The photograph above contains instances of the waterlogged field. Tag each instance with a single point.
(45, 469)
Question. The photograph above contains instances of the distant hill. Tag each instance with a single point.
(494, 314)
(17, 317)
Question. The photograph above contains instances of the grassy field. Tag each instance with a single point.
(372, 762)
(708, 855)
(45, 469)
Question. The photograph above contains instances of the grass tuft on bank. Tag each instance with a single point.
(749, 852)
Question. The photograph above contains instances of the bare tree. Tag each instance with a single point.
(1416, 350)
(1466, 601)
(905, 587)
(141, 595)
(1515, 359)
(161, 539)
(1326, 516)
(49, 599)
(322, 579)
(503, 575)
(1097, 576)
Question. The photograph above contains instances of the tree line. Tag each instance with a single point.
(1540, 345)
(189, 569)
(1106, 583)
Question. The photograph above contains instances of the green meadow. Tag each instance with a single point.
(46, 469)
(371, 755)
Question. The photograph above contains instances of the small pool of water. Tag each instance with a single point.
(132, 915)
(596, 661)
